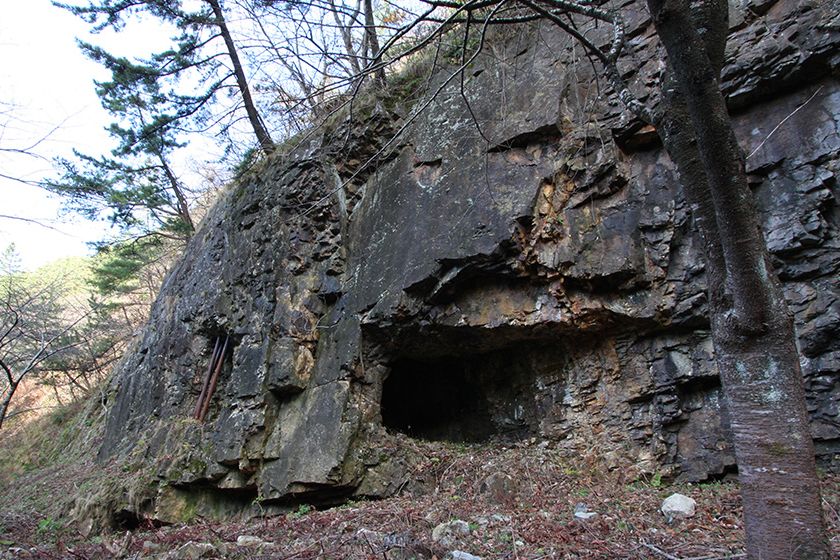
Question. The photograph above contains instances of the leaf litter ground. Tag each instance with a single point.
(518, 502)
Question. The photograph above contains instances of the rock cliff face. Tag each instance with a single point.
(530, 272)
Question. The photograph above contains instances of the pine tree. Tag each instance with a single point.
(203, 50)
(136, 184)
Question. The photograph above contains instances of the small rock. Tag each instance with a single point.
(410, 553)
(249, 540)
(396, 540)
(498, 488)
(86, 527)
(677, 506)
(460, 555)
(191, 551)
(495, 518)
(583, 513)
(447, 533)
(150, 546)
(368, 535)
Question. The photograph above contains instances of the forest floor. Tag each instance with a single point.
(513, 502)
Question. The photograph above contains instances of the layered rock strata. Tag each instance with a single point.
(519, 262)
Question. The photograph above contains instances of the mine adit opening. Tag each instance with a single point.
(466, 399)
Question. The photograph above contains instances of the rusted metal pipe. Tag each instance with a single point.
(204, 386)
(214, 381)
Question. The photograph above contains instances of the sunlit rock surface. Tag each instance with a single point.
(531, 273)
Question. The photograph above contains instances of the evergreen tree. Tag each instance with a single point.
(130, 268)
(137, 183)
(204, 50)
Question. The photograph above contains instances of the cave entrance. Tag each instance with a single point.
(460, 399)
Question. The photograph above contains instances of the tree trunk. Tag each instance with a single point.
(347, 36)
(7, 400)
(183, 206)
(752, 328)
(264, 138)
(373, 43)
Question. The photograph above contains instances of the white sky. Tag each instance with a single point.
(44, 74)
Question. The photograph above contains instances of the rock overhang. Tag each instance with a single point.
(553, 248)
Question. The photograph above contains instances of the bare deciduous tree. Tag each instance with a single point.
(55, 332)
(33, 329)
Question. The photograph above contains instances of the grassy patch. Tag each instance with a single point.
(55, 438)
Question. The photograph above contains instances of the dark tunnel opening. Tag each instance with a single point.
(459, 399)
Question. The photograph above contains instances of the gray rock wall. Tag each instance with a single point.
(532, 272)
